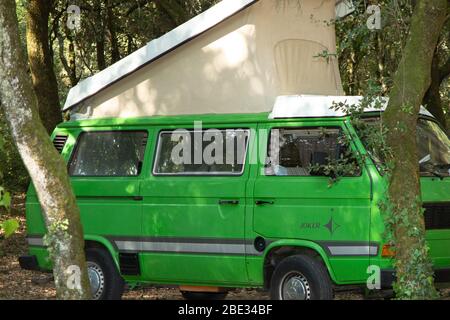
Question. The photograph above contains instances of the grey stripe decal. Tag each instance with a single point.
(38, 242)
(348, 248)
(218, 246)
(353, 250)
(174, 245)
(186, 247)
(180, 240)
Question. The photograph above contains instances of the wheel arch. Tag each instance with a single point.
(91, 241)
(279, 250)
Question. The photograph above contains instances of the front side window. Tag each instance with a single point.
(109, 154)
(432, 143)
(308, 152)
(209, 152)
(434, 149)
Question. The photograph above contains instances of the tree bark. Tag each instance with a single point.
(380, 62)
(41, 63)
(99, 37)
(67, 67)
(411, 81)
(47, 169)
(115, 52)
(432, 98)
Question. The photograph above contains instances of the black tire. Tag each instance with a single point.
(101, 265)
(306, 274)
(187, 295)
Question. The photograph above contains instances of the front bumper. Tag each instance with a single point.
(441, 275)
(29, 263)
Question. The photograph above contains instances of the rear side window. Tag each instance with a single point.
(109, 154)
(209, 152)
(297, 152)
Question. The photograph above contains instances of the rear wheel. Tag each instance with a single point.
(301, 277)
(106, 282)
(188, 295)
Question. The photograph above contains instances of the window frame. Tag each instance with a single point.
(77, 147)
(200, 174)
(342, 129)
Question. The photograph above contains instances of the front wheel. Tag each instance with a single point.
(106, 282)
(301, 277)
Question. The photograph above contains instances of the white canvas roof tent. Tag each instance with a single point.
(308, 106)
(238, 50)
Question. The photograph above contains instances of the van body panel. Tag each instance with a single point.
(197, 221)
(110, 207)
(308, 207)
(201, 230)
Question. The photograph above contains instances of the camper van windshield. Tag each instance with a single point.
(433, 147)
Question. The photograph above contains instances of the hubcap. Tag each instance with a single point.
(96, 279)
(295, 287)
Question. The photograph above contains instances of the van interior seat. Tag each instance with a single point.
(319, 158)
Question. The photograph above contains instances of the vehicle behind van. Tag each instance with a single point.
(216, 202)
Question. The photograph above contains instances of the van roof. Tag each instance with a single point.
(307, 107)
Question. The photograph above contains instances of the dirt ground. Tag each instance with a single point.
(19, 284)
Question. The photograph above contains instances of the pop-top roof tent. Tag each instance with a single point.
(236, 57)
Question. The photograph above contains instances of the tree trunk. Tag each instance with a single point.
(432, 98)
(41, 63)
(411, 81)
(100, 51)
(99, 37)
(379, 48)
(115, 53)
(71, 73)
(72, 62)
(47, 169)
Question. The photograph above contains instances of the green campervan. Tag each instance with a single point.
(214, 202)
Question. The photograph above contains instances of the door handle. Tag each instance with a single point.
(263, 203)
(229, 202)
(138, 198)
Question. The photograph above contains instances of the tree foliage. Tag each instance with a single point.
(109, 31)
(369, 58)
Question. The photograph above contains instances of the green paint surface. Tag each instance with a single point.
(306, 212)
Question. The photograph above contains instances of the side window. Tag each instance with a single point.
(209, 152)
(108, 154)
(307, 152)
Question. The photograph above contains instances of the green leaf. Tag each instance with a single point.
(5, 198)
(10, 227)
